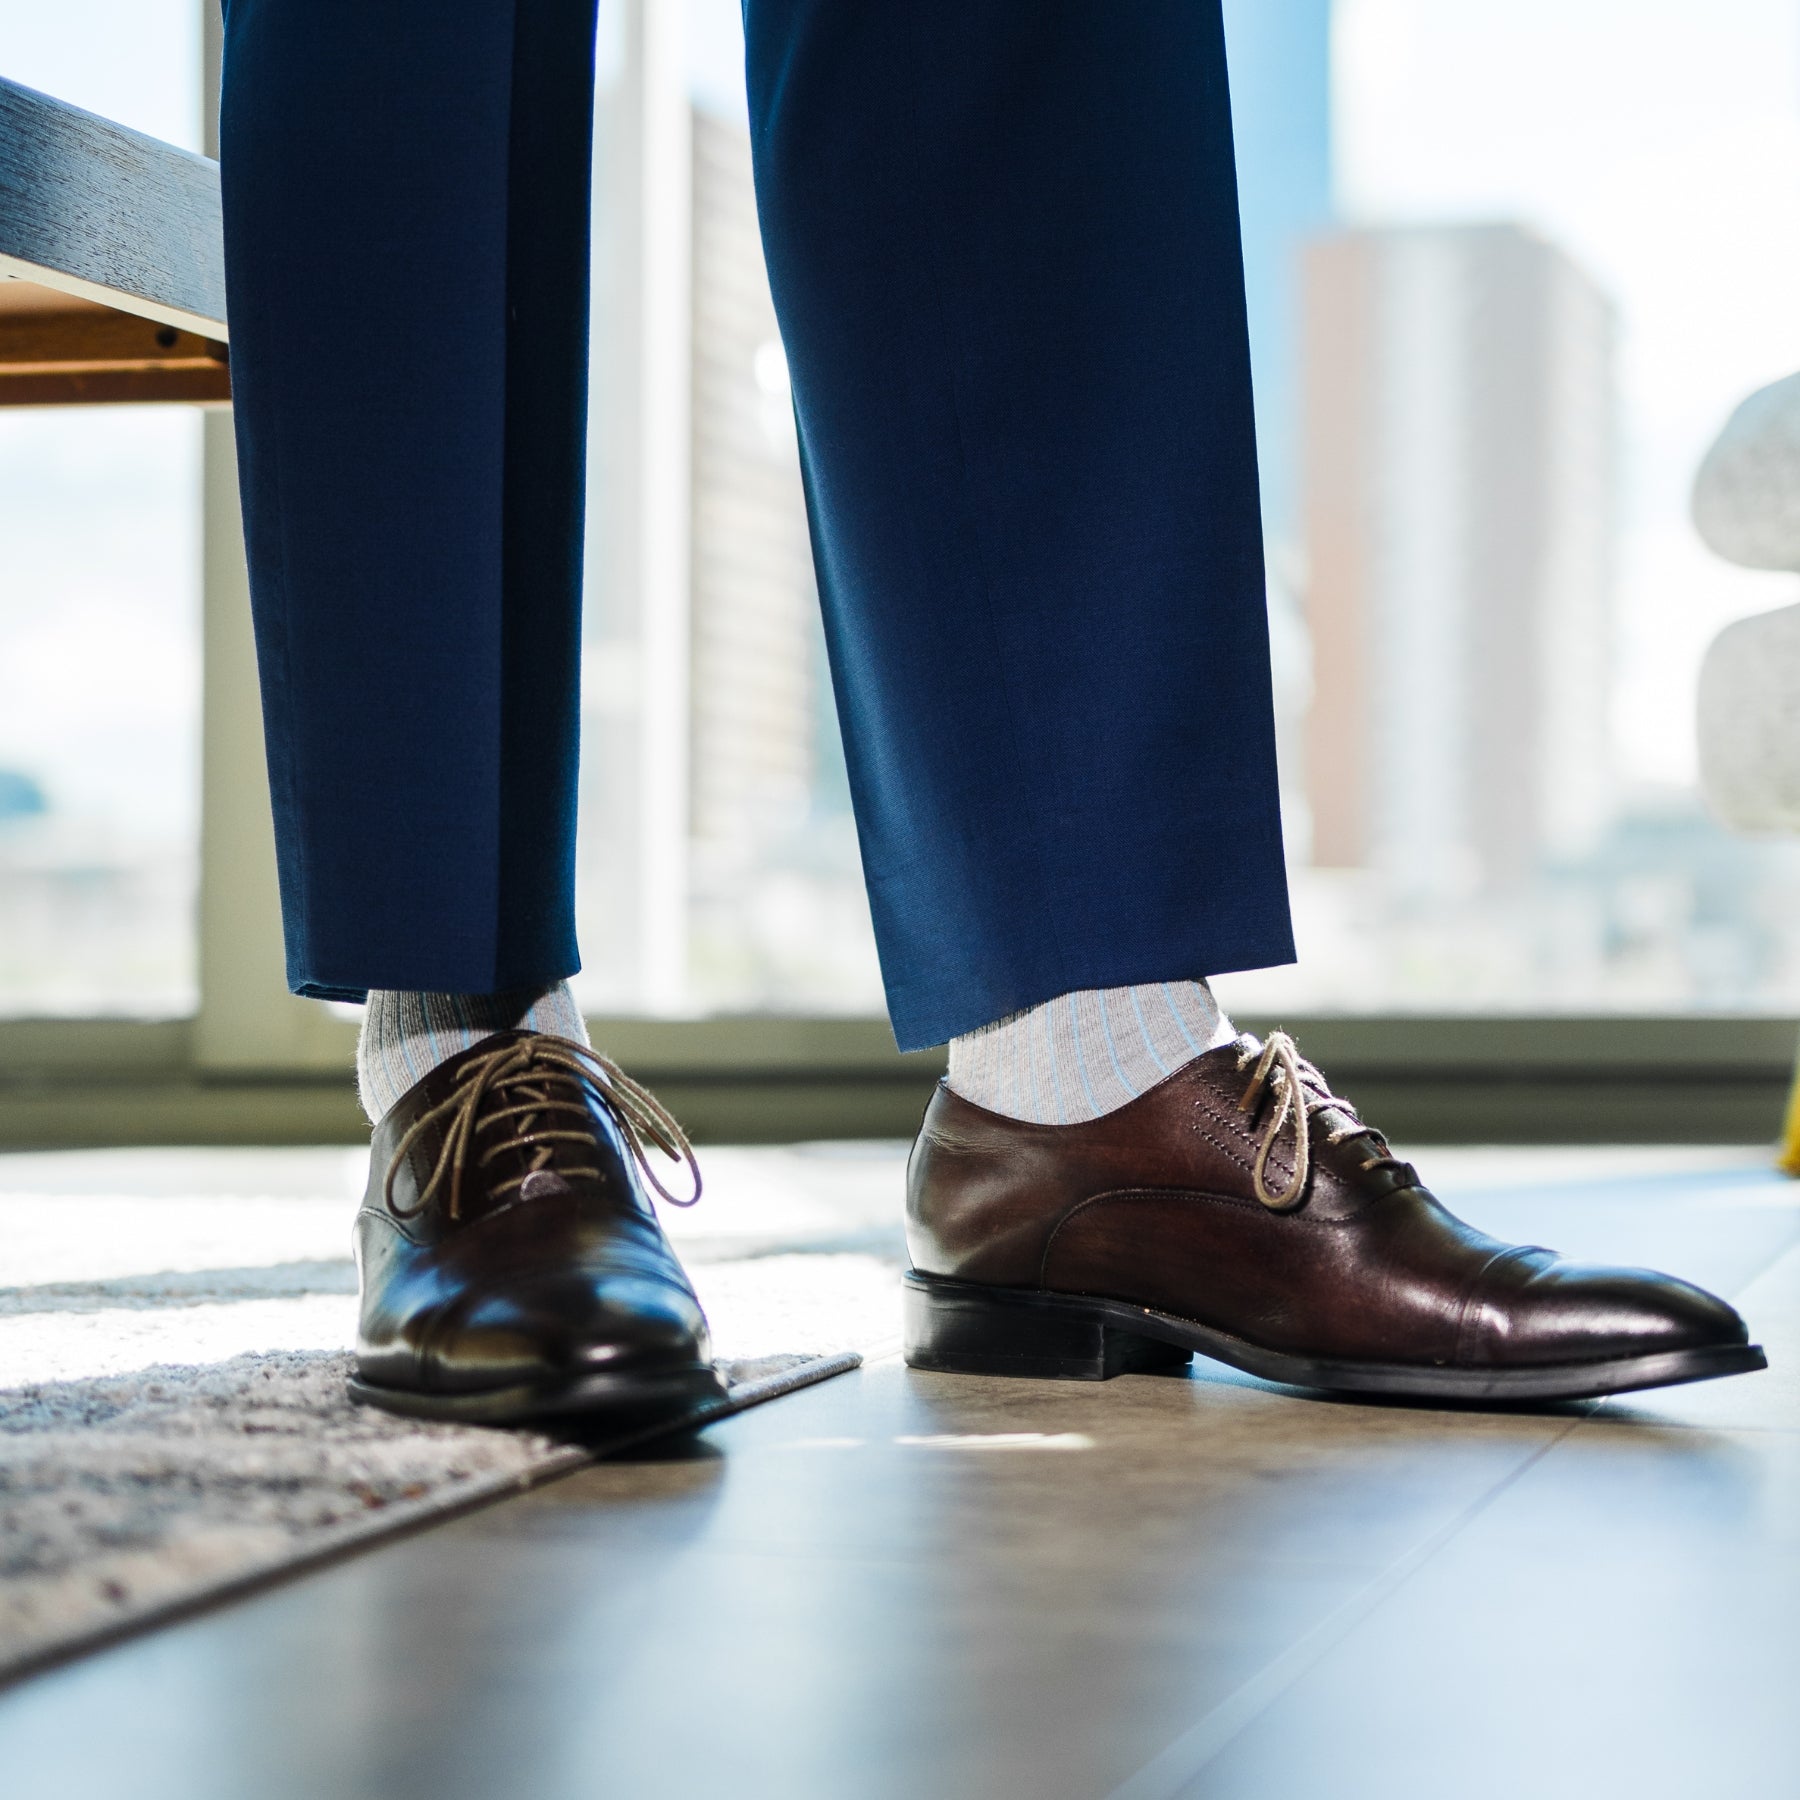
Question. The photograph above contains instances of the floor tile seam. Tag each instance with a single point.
(1020, 1574)
(169, 1306)
(1788, 1252)
(1170, 1774)
(149, 1280)
(1702, 1427)
(897, 1562)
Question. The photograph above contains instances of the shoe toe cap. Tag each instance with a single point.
(570, 1324)
(1567, 1312)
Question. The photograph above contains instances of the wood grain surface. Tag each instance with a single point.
(108, 215)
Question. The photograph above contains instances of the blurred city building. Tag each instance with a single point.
(1280, 65)
(776, 908)
(1281, 114)
(718, 861)
(1468, 842)
(1461, 454)
(99, 710)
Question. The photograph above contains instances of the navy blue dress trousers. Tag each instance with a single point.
(1003, 242)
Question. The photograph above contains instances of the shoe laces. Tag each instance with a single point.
(520, 1096)
(1300, 1093)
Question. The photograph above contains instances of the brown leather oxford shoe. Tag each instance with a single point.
(1242, 1210)
(511, 1262)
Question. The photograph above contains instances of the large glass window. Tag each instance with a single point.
(1509, 267)
(718, 861)
(1510, 264)
(1554, 264)
(99, 606)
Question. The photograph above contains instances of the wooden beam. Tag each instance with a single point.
(193, 385)
(107, 215)
(57, 351)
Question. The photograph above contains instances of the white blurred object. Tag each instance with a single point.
(1749, 723)
(1747, 494)
(1747, 508)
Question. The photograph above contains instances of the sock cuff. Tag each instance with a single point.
(406, 1035)
(1087, 1053)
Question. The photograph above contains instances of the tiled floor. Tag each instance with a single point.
(905, 1585)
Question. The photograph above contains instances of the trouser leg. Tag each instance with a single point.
(406, 215)
(1003, 241)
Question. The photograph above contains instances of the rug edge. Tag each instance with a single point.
(412, 1517)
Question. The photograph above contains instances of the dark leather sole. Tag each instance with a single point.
(624, 1397)
(964, 1328)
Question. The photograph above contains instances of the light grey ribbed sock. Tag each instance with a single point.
(1085, 1054)
(405, 1036)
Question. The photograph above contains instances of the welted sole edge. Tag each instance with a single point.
(626, 1398)
(966, 1328)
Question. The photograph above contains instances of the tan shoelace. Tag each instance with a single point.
(544, 1079)
(1300, 1091)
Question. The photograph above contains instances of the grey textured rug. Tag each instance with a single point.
(129, 1499)
(173, 1328)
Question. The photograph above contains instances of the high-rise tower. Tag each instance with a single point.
(1460, 525)
(1279, 53)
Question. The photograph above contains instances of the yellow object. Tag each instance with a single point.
(1789, 1160)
